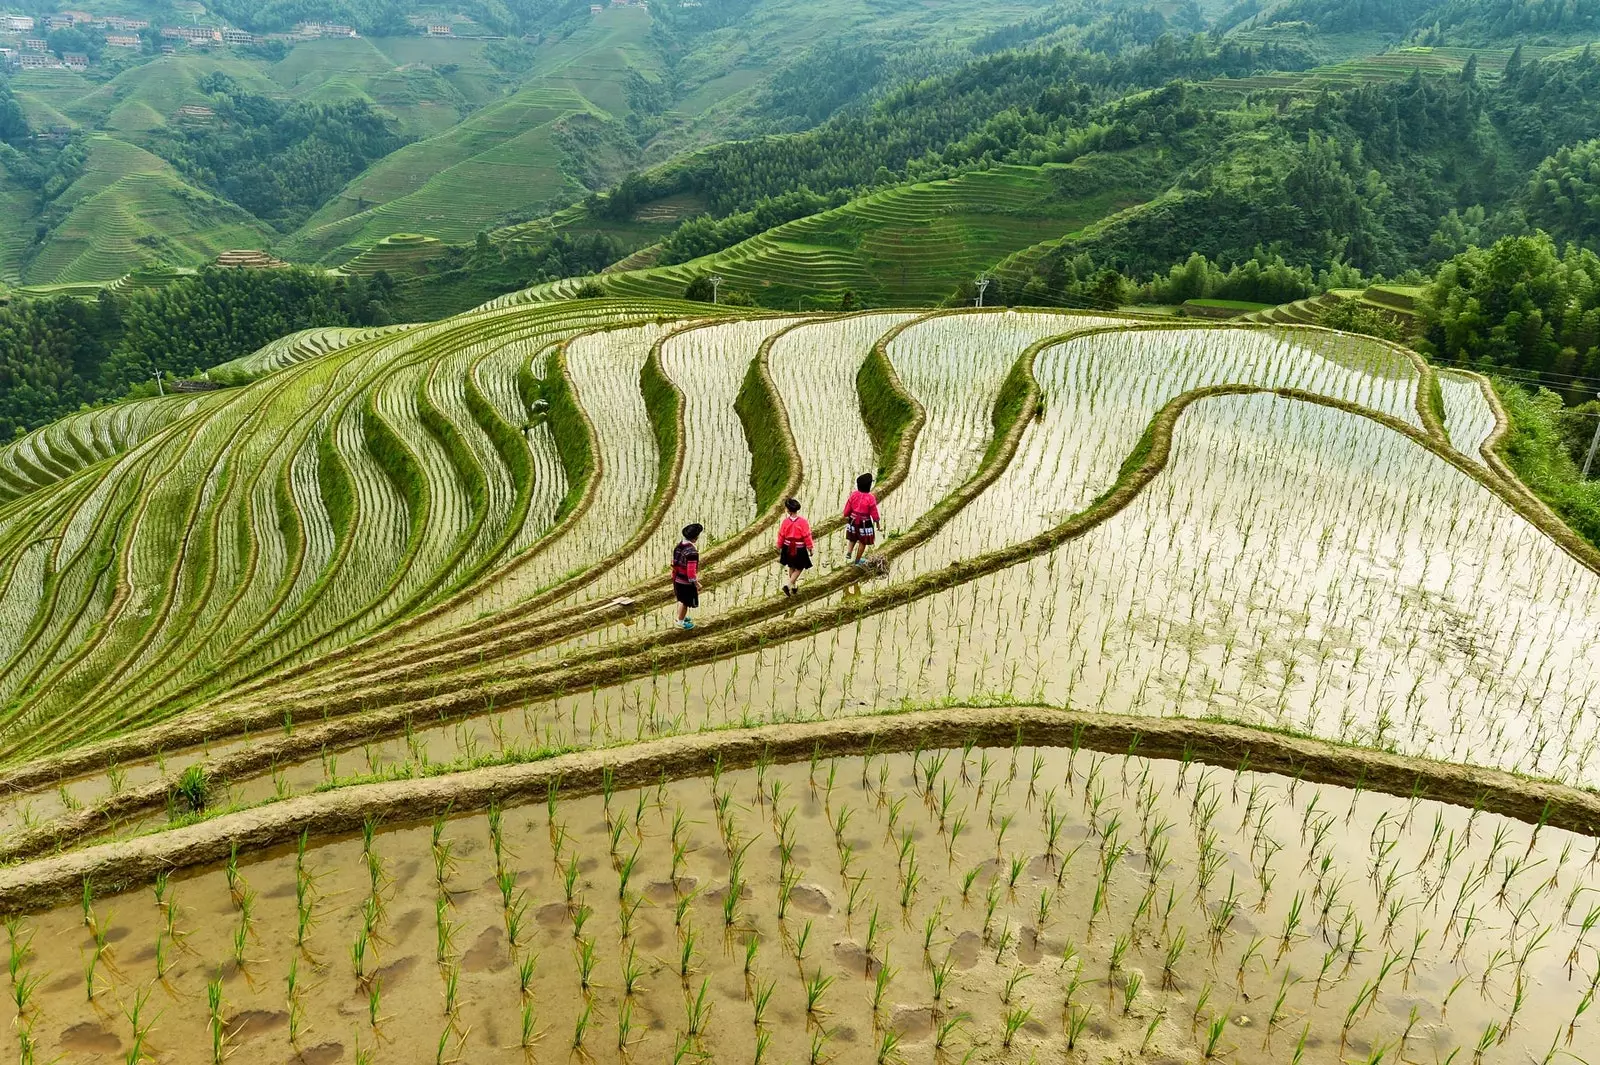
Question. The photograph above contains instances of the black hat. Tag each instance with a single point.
(693, 530)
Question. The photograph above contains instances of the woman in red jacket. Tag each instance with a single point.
(861, 519)
(794, 546)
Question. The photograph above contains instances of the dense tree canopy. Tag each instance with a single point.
(50, 357)
(1521, 303)
(278, 161)
(1564, 195)
(14, 128)
(57, 354)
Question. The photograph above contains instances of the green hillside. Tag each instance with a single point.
(130, 209)
(146, 97)
(507, 158)
(455, 184)
(909, 245)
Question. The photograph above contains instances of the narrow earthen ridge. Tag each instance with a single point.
(420, 353)
(113, 867)
(472, 643)
(1493, 446)
(348, 660)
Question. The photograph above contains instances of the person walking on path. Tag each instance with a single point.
(686, 574)
(861, 519)
(794, 546)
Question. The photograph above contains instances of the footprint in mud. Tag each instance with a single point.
(1028, 952)
(407, 923)
(808, 898)
(552, 914)
(392, 973)
(321, 1054)
(407, 872)
(745, 892)
(964, 951)
(662, 892)
(242, 1027)
(485, 954)
(799, 854)
(912, 1023)
(89, 1038)
(853, 958)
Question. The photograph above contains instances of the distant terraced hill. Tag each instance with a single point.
(130, 209)
(505, 158)
(905, 246)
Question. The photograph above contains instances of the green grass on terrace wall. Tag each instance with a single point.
(663, 403)
(771, 464)
(509, 445)
(333, 481)
(460, 455)
(1008, 405)
(567, 425)
(884, 410)
(398, 463)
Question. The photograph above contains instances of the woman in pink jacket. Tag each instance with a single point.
(861, 519)
(794, 546)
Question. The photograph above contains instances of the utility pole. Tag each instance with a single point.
(983, 283)
(1594, 445)
(716, 284)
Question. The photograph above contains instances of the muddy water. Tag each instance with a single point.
(1468, 418)
(925, 899)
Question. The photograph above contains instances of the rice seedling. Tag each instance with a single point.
(698, 1010)
(815, 988)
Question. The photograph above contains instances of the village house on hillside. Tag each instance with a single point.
(16, 23)
(199, 36)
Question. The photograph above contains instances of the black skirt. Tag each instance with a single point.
(796, 557)
(688, 594)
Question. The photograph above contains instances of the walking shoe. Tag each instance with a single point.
(687, 623)
(787, 590)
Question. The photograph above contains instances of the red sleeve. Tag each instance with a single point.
(781, 525)
(692, 567)
(848, 500)
(876, 517)
(810, 545)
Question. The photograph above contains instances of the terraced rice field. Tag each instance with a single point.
(906, 246)
(1214, 693)
(129, 209)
